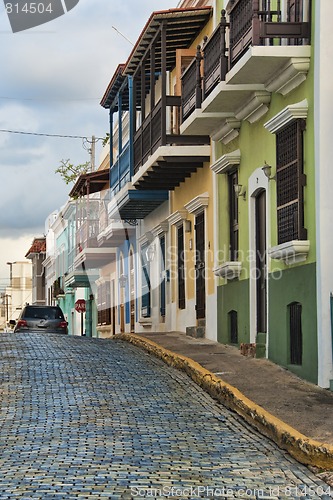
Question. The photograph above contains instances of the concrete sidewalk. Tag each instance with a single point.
(303, 406)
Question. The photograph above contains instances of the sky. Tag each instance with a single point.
(52, 80)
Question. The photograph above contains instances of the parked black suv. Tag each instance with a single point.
(41, 319)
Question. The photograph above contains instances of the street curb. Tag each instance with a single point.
(303, 449)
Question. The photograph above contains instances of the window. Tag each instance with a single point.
(181, 267)
(233, 327)
(104, 304)
(295, 333)
(233, 215)
(145, 283)
(290, 182)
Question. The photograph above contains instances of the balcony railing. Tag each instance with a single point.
(191, 86)
(260, 22)
(120, 171)
(153, 132)
(251, 22)
(71, 256)
(103, 216)
(215, 58)
(86, 235)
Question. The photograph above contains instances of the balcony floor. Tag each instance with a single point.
(170, 165)
(260, 64)
(94, 258)
(81, 279)
(229, 98)
(131, 203)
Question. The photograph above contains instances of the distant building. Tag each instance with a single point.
(37, 254)
(18, 293)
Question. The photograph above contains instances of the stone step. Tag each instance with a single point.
(197, 332)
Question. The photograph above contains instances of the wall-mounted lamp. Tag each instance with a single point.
(188, 226)
(267, 169)
(122, 280)
(150, 252)
(240, 190)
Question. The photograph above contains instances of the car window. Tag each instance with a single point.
(43, 313)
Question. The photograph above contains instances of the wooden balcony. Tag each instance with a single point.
(120, 172)
(89, 254)
(163, 159)
(86, 235)
(257, 22)
(267, 53)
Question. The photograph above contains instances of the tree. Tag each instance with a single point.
(70, 172)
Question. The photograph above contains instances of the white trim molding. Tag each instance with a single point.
(147, 237)
(161, 228)
(291, 252)
(255, 108)
(227, 162)
(290, 76)
(228, 270)
(228, 131)
(177, 217)
(198, 203)
(288, 114)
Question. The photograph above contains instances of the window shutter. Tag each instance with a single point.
(290, 182)
(233, 215)
(145, 283)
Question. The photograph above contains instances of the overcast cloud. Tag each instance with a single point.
(52, 80)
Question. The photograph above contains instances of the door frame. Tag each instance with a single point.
(257, 183)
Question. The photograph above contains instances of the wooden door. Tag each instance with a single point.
(132, 292)
(162, 277)
(200, 265)
(261, 262)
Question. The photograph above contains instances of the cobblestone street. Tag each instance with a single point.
(89, 418)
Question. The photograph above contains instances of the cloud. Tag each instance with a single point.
(52, 79)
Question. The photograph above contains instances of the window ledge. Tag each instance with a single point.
(229, 270)
(145, 322)
(291, 252)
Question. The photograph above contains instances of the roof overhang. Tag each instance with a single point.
(182, 27)
(118, 82)
(93, 182)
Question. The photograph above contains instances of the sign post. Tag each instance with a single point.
(80, 307)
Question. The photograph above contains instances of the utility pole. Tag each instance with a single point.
(92, 153)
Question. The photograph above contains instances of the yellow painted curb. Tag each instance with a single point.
(305, 450)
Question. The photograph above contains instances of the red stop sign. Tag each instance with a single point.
(80, 306)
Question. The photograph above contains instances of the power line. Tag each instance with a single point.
(48, 99)
(48, 135)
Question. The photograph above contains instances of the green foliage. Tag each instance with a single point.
(70, 172)
(106, 139)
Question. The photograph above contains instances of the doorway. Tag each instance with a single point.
(132, 292)
(200, 265)
(162, 277)
(261, 262)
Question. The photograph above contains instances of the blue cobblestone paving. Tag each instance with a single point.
(101, 419)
